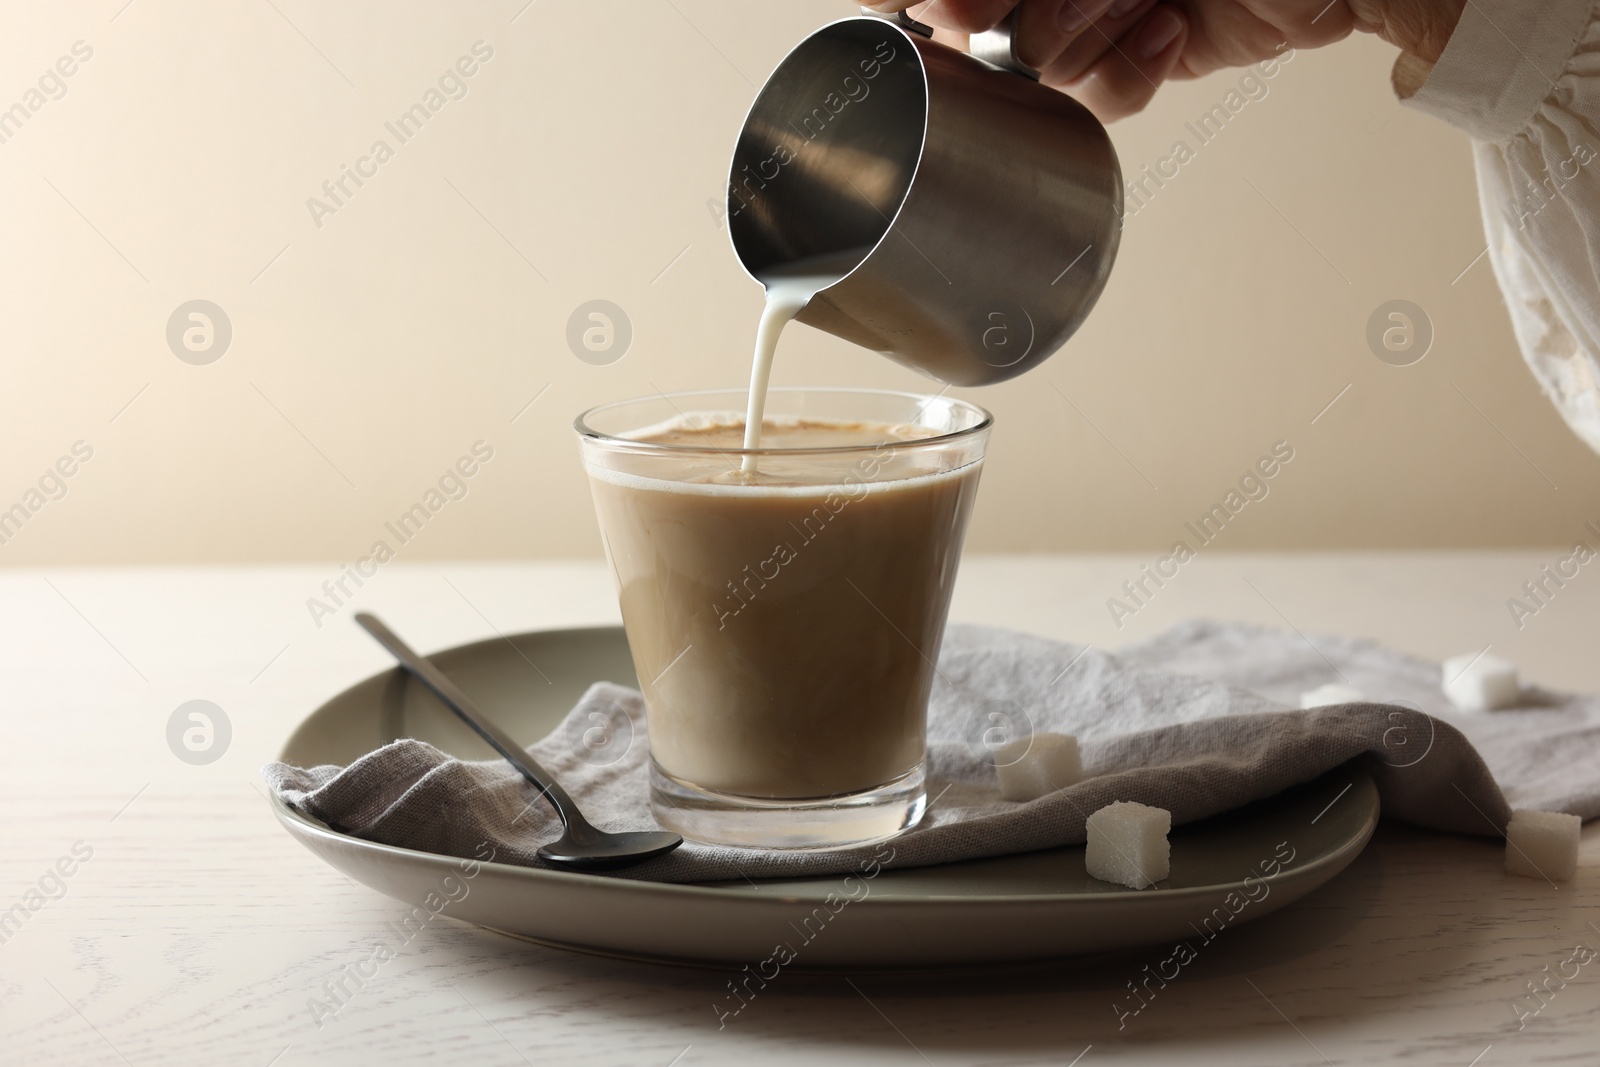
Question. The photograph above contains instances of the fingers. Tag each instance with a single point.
(1123, 80)
(1039, 36)
(963, 16)
(1110, 54)
(1316, 25)
(1047, 28)
(1095, 40)
(1075, 15)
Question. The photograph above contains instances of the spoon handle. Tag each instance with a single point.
(454, 699)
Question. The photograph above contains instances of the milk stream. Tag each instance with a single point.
(790, 288)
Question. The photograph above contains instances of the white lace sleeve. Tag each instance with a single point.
(1522, 78)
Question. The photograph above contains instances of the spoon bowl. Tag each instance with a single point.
(614, 850)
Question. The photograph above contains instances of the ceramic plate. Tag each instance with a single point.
(1008, 910)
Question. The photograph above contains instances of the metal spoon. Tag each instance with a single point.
(581, 845)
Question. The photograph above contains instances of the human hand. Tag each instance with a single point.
(1113, 54)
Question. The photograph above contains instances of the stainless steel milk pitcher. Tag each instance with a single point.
(980, 210)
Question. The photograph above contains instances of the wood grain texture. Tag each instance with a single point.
(198, 931)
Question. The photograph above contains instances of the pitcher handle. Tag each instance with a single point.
(996, 47)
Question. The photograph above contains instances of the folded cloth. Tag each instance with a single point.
(1197, 721)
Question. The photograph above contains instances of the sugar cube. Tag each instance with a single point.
(1479, 682)
(1332, 693)
(1543, 844)
(1032, 767)
(1128, 844)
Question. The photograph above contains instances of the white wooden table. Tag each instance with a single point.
(198, 931)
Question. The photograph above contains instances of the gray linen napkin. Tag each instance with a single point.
(1194, 721)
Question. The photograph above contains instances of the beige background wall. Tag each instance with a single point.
(430, 309)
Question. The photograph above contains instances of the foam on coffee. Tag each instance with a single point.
(790, 459)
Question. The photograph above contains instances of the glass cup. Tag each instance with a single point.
(785, 625)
